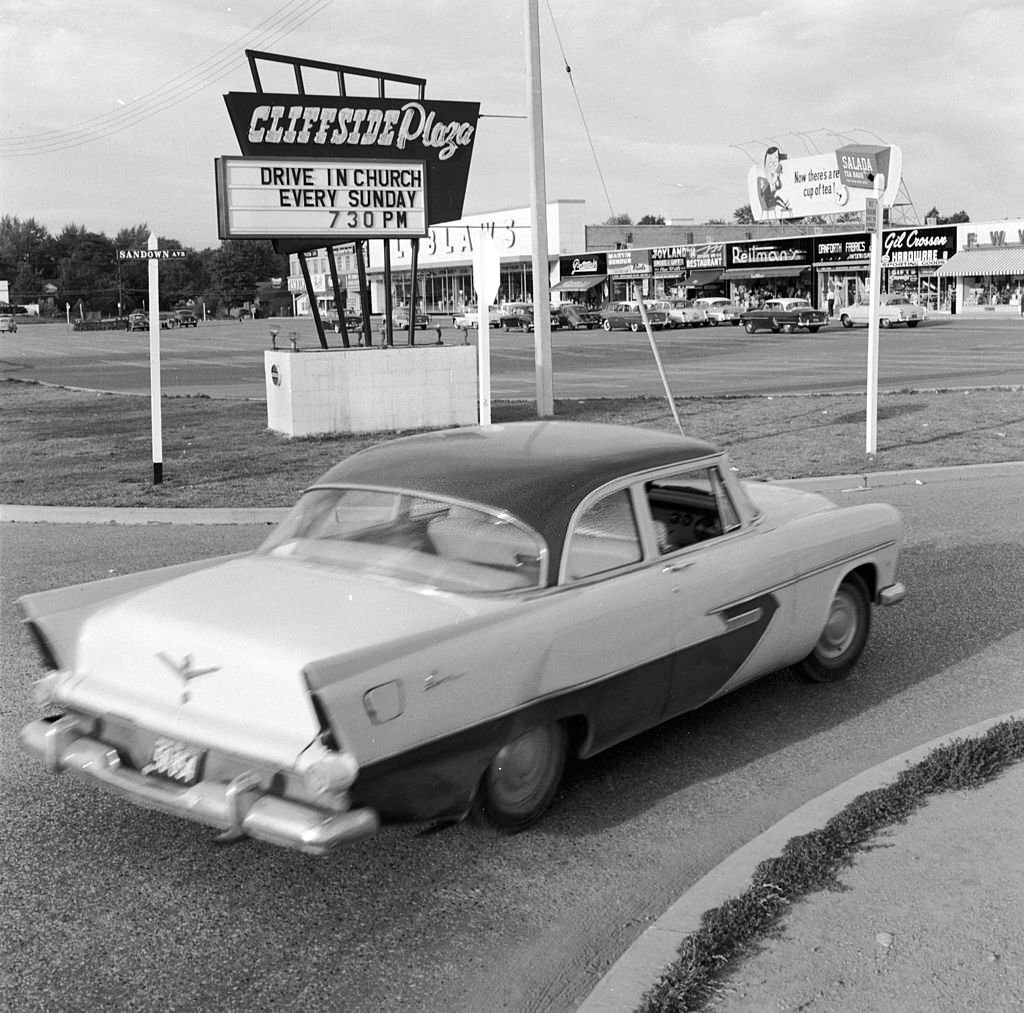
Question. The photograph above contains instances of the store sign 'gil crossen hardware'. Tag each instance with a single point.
(266, 198)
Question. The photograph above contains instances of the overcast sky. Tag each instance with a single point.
(111, 113)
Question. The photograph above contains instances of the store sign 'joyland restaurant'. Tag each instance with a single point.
(337, 167)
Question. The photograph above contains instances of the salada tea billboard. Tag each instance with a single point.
(782, 187)
(339, 168)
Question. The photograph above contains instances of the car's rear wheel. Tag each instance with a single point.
(845, 634)
(913, 323)
(521, 780)
(748, 326)
(634, 326)
(885, 322)
(845, 320)
(606, 324)
(814, 330)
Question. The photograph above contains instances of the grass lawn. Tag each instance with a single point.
(76, 448)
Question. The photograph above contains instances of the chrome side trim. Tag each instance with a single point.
(823, 568)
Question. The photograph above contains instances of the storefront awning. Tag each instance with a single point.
(765, 271)
(995, 260)
(707, 276)
(580, 284)
(845, 268)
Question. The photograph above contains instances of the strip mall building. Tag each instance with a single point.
(969, 268)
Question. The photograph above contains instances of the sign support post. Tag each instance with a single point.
(154, 362)
(486, 281)
(875, 284)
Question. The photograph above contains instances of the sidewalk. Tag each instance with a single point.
(929, 918)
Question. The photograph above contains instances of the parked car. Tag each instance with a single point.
(185, 318)
(470, 318)
(571, 317)
(441, 620)
(138, 321)
(786, 315)
(353, 322)
(719, 310)
(892, 309)
(400, 319)
(516, 316)
(686, 313)
(619, 315)
(8, 324)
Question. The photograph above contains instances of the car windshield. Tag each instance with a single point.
(433, 542)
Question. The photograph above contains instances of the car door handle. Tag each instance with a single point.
(677, 567)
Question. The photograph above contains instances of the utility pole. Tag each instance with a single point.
(538, 203)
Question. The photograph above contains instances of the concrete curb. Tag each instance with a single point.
(271, 515)
(636, 971)
(139, 515)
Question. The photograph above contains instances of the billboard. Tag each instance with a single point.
(782, 188)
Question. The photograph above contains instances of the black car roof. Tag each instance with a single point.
(538, 471)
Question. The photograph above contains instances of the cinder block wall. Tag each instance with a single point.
(366, 390)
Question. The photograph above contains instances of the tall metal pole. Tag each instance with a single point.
(875, 284)
(155, 412)
(538, 203)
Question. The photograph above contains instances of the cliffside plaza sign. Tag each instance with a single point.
(320, 169)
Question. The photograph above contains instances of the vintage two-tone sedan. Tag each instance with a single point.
(441, 620)
(786, 315)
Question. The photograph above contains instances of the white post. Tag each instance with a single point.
(541, 277)
(875, 284)
(154, 361)
(483, 360)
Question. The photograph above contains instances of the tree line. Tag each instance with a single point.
(81, 268)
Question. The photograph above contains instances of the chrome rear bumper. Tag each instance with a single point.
(892, 595)
(238, 807)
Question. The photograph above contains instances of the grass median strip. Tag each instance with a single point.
(65, 447)
(811, 862)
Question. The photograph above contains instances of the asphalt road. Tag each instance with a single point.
(107, 906)
(225, 359)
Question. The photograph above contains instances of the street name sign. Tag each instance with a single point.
(152, 254)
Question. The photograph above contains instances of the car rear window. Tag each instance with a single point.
(395, 534)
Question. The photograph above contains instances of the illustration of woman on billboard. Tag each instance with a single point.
(770, 183)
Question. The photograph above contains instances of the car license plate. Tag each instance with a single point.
(175, 760)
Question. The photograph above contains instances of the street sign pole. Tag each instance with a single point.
(875, 284)
(486, 281)
(154, 362)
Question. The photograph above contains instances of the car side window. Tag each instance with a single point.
(604, 537)
(689, 508)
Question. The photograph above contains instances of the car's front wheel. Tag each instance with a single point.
(521, 780)
(845, 634)
(885, 322)
(913, 323)
(748, 326)
(634, 326)
(845, 320)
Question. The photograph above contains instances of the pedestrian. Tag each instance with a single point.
(831, 298)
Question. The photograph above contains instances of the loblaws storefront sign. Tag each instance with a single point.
(345, 128)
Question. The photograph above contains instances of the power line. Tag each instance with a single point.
(579, 105)
(172, 92)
